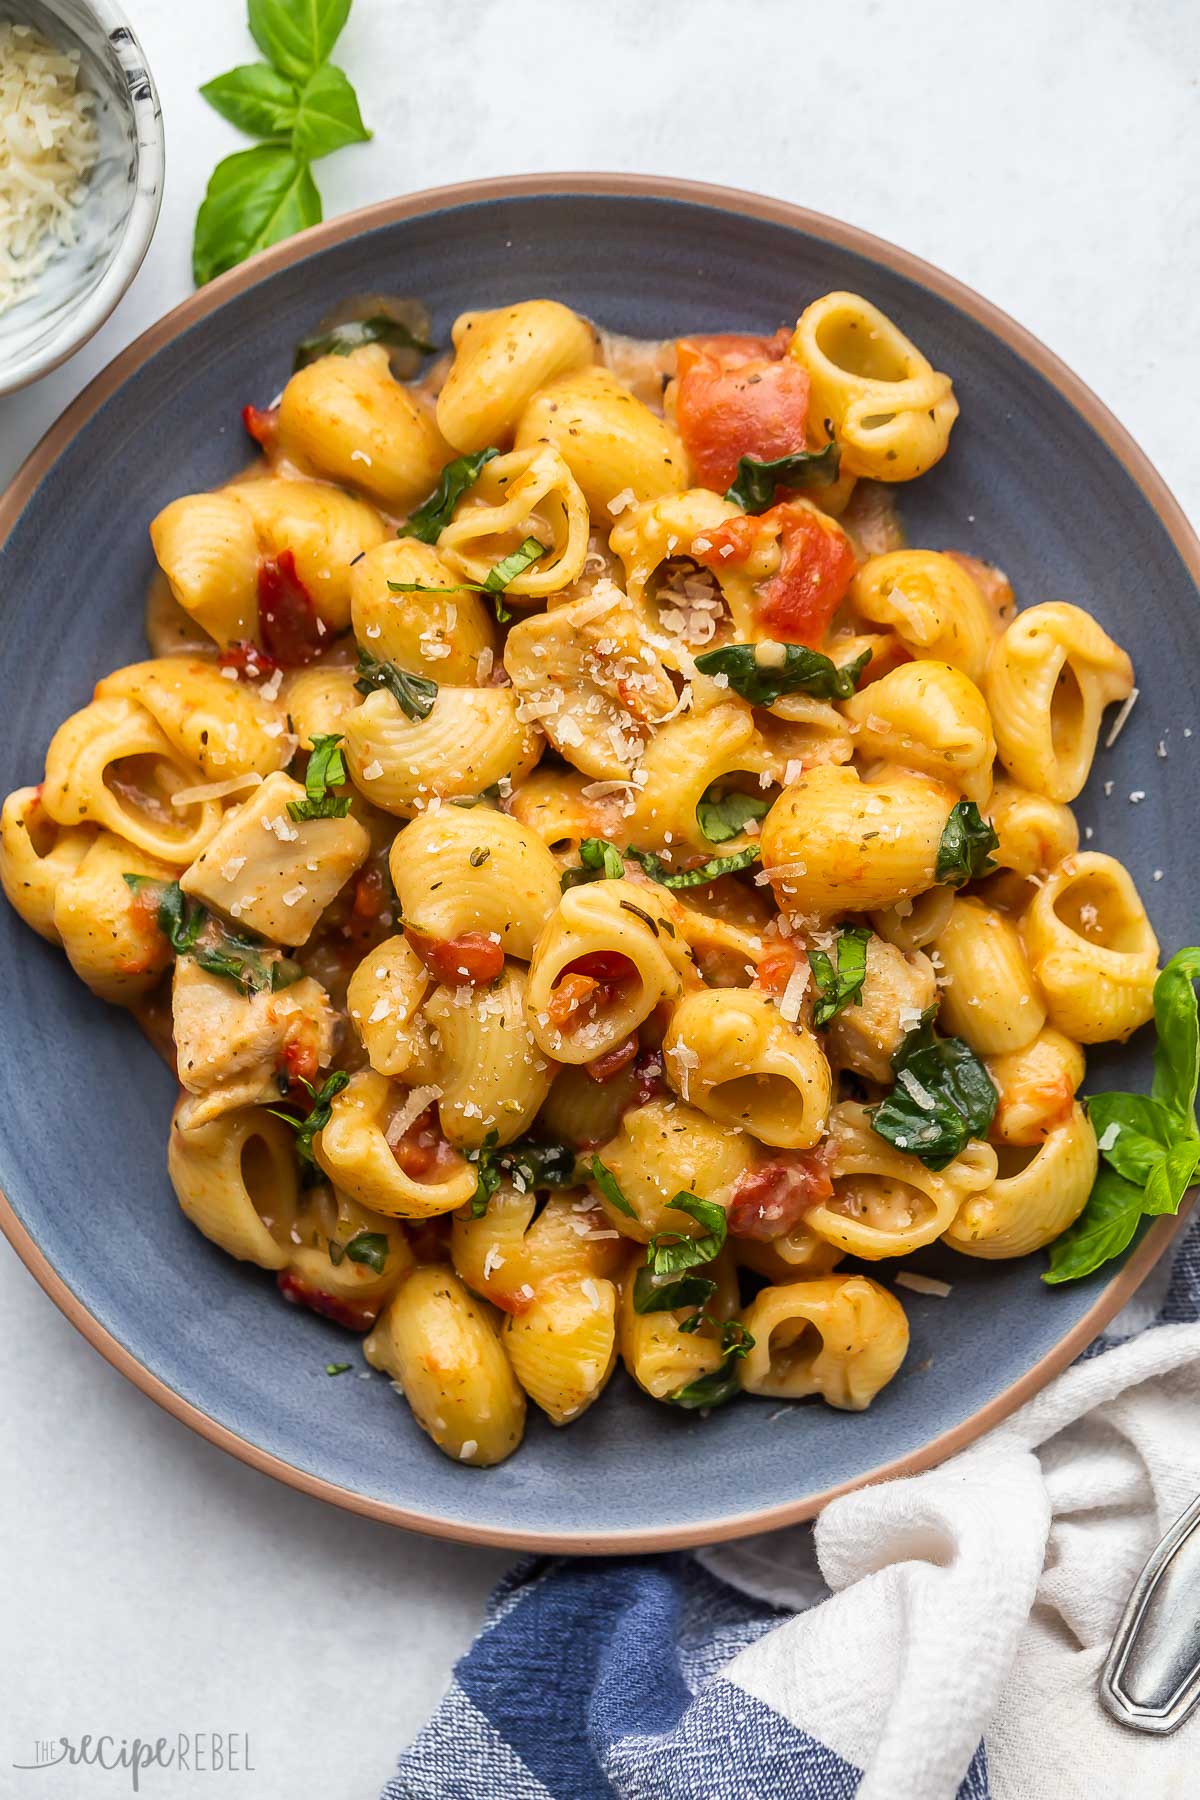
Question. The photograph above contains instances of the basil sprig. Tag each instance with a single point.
(505, 571)
(191, 930)
(943, 1097)
(759, 674)
(964, 853)
(1149, 1142)
(303, 105)
(370, 1248)
(319, 1114)
(433, 515)
(838, 983)
(728, 816)
(754, 485)
(413, 694)
(720, 1384)
(352, 334)
(529, 1164)
(326, 769)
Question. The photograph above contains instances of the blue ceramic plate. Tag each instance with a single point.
(1039, 478)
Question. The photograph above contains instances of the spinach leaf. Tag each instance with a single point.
(838, 985)
(326, 770)
(943, 1097)
(433, 515)
(754, 485)
(763, 673)
(964, 853)
(413, 694)
(728, 817)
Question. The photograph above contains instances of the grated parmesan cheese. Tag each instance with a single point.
(793, 993)
(48, 146)
(419, 1098)
(923, 1284)
(214, 790)
(1118, 724)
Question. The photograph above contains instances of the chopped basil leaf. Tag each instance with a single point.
(720, 1384)
(943, 1097)
(599, 859)
(505, 571)
(670, 1251)
(319, 1115)
(413, 694)
(729, 816)
(326, 769)
(1149, 1143)
(668, 1292)
(529, 1164)
(760, 674)
(487, 1175)
(609, 1186)
(710, 870)
(433, 515)
(838, 985)
(369, 1248)
(755, 483)
(191, 930)
(964, 853)
(337, 1368)
(340, 340)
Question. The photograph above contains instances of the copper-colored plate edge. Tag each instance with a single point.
(1117, 1292)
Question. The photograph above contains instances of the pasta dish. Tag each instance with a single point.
(605, 895)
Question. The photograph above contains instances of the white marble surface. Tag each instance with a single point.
(1044, 151)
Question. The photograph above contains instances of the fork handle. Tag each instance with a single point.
(1151, 1680)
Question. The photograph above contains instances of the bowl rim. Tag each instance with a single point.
(82, 323)
(1141, 471)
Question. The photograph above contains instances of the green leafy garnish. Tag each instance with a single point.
(964, 853)
(666, 1293)
(505, 571)
(720, 1384)
(337, 1368)
(943, 1097)
(340, 340)
(319, 1114)
(763, 673)
(710, 870)
(413, 694)
(839, 984)
(754, 485)
(610, 1187)
(665, 1283)
(303, 106)
(326, 769)
(727, 817)
(368, 1247)
(599, 860)
(1149, 1143)
(433, 515)
(191, 930)
(529, 1164)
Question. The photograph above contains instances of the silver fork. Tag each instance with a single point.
(1151, 1680)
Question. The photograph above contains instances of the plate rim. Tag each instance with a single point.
(742, 203)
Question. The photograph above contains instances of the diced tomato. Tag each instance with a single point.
(429, 1238)
(298, 1058)
(355, 1315)
(571, 994)
(589, 981)
(473, 959)
(262, 423)
(423, 1153)
(816, 566)
(604, 966)
(767, 1202)
(248, 660)
(736, 348)
(370, 894)
(776, 965)
(603, 1068)
(287, 618)
(729, 404)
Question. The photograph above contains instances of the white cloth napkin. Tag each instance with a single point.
(978, 1601)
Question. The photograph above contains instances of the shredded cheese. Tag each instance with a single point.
(419, 1098)
(214, 790)
(48, 146)
(1118, 724)
(923, 1284)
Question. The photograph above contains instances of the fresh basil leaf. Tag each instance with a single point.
(254, 198)
(487, 1178)
(839, 984)
(1171, 1177)
(710, 870)
(609, 1186)
(514, 564)
(528, 1163)
(285, 974)
(1177, 1049)
(327, 118)
(599, 860)
(337, 1253)
(728, 817)
(1103, 1229)
(964, 853)
(297, 35)
(763, 673)
(326, 769)
(754, 485)
(736, 1339)
(1136, 1132)
(370, 1248)
(714, 1389)
(340, 340)
(669, 1290)
(943, 1097)
(255, 98)
(652, 865)
(337, 1368)
(670, 1251)
(413, 694)
(319, 1114)
(237, 959)
(433, 515)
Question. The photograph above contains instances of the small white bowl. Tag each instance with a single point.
(83, 283)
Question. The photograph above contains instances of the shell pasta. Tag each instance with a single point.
(604, 909)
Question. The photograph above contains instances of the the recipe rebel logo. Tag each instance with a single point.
(188, 1752)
